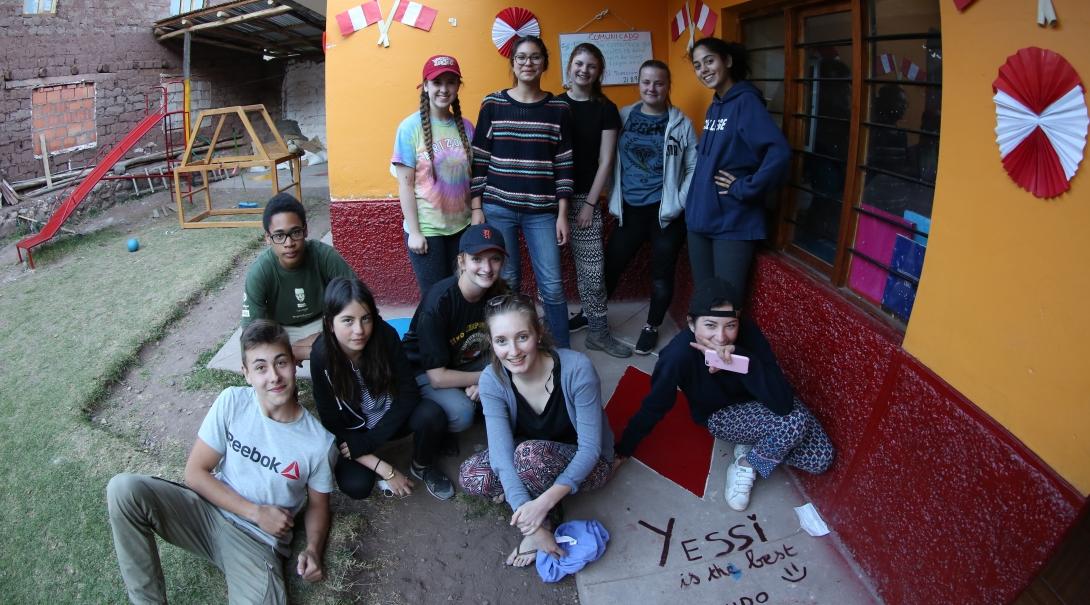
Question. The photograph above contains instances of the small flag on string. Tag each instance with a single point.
(704, 18)
(888, 63)
(910, 70)
(962, 4)
(359, 17)
(415, 15)
(680, 22)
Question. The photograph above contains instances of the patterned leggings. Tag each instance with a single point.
(796, 438)
(586, 250)
(538, 464)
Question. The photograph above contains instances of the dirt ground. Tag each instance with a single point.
(412, 550)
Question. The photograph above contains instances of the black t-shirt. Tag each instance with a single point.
(589, 118)
(554, 423)
(447, 331)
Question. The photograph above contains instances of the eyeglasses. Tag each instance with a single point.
(295, 234)
(503, 299)
(524, 59)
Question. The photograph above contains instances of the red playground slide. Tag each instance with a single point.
(88, 183)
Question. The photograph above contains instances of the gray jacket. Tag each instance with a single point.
(583, 398)
(679, 161)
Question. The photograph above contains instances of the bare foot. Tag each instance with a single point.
(525, 554)
(500, 499)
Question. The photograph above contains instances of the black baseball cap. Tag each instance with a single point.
(714, 292)
(478, 238)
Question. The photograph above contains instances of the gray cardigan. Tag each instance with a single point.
(583, 398)
(679, 162)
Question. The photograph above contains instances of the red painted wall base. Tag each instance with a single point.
(936, 501)
(368, 234)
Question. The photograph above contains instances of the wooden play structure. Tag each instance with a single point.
(268, 153)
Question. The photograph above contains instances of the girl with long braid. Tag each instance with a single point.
(431, 160)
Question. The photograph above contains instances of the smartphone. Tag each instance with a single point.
(738, 363)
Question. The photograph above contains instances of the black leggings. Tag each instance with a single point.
(427, 424)
(641, 224)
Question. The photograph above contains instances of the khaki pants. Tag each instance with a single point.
(141, 507)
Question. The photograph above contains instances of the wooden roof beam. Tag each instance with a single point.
(236, 19)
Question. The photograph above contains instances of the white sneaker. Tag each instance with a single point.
(741, 450)
(739, 485)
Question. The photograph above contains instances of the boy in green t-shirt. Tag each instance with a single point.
(287, 281)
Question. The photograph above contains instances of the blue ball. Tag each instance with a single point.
(134, 245)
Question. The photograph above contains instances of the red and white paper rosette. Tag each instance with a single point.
(1041, 120)
(510, 23)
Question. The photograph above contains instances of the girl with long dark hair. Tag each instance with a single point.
(367, 396)
(742, 156)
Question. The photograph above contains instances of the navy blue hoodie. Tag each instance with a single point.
(739, 137)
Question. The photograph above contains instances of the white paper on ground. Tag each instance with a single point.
(811, 520)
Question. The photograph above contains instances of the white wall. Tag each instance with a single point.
(304, 97)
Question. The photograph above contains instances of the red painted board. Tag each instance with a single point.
(678, 448)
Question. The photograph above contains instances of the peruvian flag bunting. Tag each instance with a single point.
(888, 63)
(415, 15)
(962, 4)
(910, 70)
(704, 18)
(359, 17)
(680, 22)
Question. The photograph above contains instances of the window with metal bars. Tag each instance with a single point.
(856, 87)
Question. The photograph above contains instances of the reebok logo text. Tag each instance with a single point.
(254, 455)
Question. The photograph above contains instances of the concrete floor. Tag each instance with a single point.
(713, 555)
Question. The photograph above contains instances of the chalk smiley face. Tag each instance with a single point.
(793, 574)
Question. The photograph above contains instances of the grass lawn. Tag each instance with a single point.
(70, 329)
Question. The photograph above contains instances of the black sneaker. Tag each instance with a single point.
(438, 484)
(649, 337)
(577, 322)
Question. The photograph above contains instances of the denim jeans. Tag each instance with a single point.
(539, 231)
(437, 263)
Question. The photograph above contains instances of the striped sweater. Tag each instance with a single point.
(522, 153)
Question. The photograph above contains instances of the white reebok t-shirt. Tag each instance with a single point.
(265, 461)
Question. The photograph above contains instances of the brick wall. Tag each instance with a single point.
(109, 45)
(65, 116)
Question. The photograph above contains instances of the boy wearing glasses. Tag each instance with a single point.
(287, 281)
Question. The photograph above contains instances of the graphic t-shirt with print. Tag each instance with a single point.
(265, 461)
(291, 297)
(441, 185)
(642, 163)
(447, 331)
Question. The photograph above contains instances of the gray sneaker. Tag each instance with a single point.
(438, 484)
(604, 341)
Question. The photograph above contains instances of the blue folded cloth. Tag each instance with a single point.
(582, 543)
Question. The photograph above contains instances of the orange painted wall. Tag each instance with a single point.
(1001, 311)
(370, 89)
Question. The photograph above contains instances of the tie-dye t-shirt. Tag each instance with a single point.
(442, 204)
